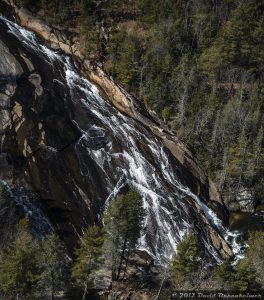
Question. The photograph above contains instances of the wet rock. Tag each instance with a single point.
(215, 240)
(36, 80)
(28, 62)
(79, 147)
(9, 67)
(227, 251)
(65, 48)
(6, 170)
(4, 99)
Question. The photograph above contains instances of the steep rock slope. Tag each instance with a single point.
(77, 151)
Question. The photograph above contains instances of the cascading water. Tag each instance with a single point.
(25, 201)
(114, 150)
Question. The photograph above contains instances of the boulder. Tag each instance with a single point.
(246, 199)
(9, 67)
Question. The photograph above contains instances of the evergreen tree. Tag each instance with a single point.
(18, 272)
(124, 223)
(53, 265)
(245, 277)
(225, 275)
(255, 254)
(88, 257)
(241, 277)
(187, 260)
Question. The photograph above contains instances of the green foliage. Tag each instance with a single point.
(240, 43)
(241, 277)
(88, 256)
(187, 260)
(166, 113)
(90, 35)
(52, 265)
(123, 222)
(29, 268)
(255, 254)
(225, 275)
(18, 274)
(245, 277)
(125, 53)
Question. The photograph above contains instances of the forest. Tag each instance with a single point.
(33, 267)
(197, 64)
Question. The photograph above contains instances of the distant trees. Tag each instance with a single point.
(240, 41)
(125, 52)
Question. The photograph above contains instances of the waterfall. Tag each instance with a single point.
(125, 152)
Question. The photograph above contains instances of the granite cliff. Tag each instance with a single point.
(75, 139)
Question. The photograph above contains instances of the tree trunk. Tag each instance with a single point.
(85, 289)
(122, 258)
(161, 286)
(52, 289)
(125, 268)
(87, 278)
(52, 293)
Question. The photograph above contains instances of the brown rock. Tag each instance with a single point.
(215, 240)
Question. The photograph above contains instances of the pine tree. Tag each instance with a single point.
(255, 253)
(244, 278)
(124, 223)
(241, 277)
(187, 260)
(18, 272)
(53, 265)
(88, 256)
(225, 275)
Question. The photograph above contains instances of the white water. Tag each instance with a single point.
(131, 155)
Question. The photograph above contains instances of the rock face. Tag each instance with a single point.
(118, 97)
(78, 146)
(10, 70)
